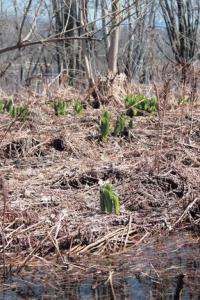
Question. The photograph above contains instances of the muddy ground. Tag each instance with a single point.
(52, 167)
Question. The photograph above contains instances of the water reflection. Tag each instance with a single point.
(169, 269)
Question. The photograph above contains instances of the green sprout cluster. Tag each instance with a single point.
(78, 106)
(137, 105)
(60, 107)
(20, 113)
(109, 200)
(105, 125)
(120, 129)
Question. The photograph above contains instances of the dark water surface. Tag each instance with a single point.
(165, 269)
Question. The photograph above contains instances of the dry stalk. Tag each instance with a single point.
(181, 218)
(162, 98)
(56, 245)
(147, 234)
(34, 251)
(100, 241)
(193, 97)
(110, 281)
(4, 198)
(128, 231)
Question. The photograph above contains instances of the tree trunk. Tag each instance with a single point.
(65, 21)
(114, 38)
(105, 28)
(84, 32)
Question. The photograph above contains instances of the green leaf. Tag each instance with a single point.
(8, 105)
(138, 104)
(115, 199)
(120, 126)
(60, 107)
(109, 200)
(105, 125)
(78, 107)
(2, 105)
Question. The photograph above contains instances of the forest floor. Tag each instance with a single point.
(52, 167)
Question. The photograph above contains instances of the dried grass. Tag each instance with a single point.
(52, 209)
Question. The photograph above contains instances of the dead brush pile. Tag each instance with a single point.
(51, 169)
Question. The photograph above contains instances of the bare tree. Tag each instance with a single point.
(66, 21)
(182, 22)
(75, 37)
(61, 35)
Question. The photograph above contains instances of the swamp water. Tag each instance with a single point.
(168, 268)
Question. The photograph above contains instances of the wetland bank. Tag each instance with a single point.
(52, 167)
(163, 268)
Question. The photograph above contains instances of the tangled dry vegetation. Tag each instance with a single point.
(52, 167)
